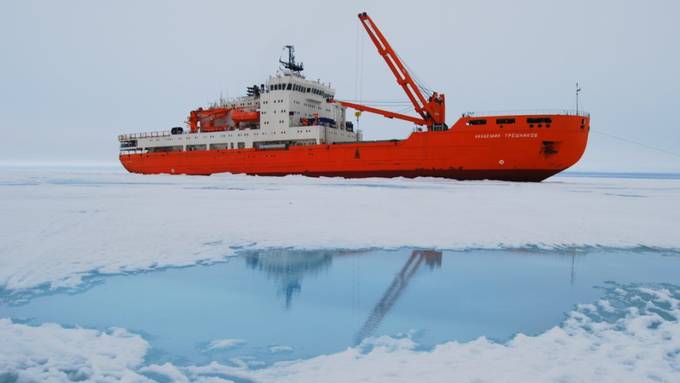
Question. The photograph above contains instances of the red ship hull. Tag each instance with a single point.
(512, 152)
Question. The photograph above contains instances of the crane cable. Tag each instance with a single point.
(661, 150)
(381, 102)
(420, 83)
(359, 70)
(359, 65)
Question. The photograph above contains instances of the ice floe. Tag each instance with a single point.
(50, 352)
(224, 343)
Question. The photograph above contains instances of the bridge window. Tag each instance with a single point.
(539, 120)
(477, 122)
(501, 121)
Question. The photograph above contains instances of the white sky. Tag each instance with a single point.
(74, 74)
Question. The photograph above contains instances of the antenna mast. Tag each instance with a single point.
(291, 64)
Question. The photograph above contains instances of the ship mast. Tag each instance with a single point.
(432, 110)
(578, 90)
(291, 65)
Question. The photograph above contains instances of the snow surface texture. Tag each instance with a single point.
(53, 353)
(57, 227)
(632, 335)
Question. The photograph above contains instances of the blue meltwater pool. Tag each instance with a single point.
(265, 306)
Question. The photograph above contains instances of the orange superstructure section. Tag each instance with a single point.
(493, 147)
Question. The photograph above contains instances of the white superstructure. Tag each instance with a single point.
(292, 111)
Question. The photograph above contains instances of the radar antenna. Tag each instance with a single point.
(291, 64)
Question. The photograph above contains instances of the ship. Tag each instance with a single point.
(291, 125)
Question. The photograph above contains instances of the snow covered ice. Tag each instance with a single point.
(60, 228)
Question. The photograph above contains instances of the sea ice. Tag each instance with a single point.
(224, 343)
(52, 353)
(58, 227)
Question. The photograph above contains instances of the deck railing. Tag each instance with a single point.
(564, 112)
(132, 136)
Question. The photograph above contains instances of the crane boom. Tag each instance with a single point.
(382, 112)
(431, 110)
(394, 63)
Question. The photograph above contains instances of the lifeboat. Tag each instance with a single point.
(244, 116)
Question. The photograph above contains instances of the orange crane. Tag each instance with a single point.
(432, 110)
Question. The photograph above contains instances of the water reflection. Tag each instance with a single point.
(308, 303)
(288, 269)
(433, 259)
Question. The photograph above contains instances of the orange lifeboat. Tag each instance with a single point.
(208, 120)
(244, 116)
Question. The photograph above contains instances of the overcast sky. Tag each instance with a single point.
(75, 74)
